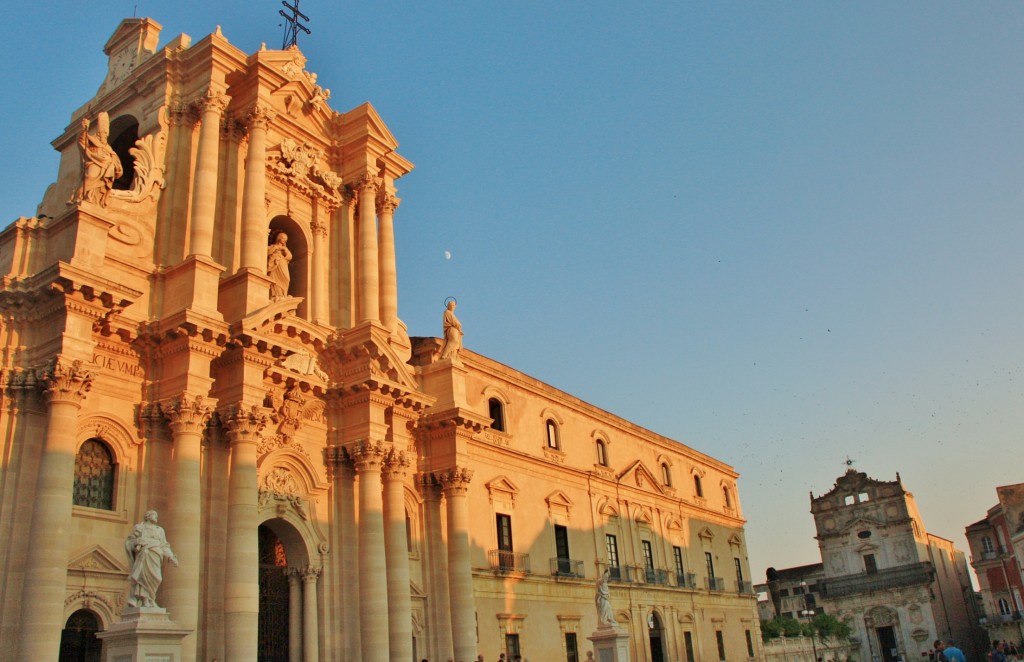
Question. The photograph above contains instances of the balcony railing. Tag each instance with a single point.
(620, 573)
(659, 577)
(686, 580)
(906, 575)
(503, 561)
(715, 583)
(995, 619)
(744, 588)
(561, 567)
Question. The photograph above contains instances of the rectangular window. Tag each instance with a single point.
(511, 646)
(750, 645)
(739, 574)
(783, 592)
(562, 550)
(869, 564)
(688, 642)
(721, 645)
(648, 559)
(552, 435)
(677, 554)
(613, 557)
(710, 561)
(506, 560)
(571, 651)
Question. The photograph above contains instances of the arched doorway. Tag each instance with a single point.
(655, 631)
(78, 642)
(273, 621)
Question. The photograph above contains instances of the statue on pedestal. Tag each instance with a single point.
(100, 163)
(147, 548)
(278, 258)
(452, 333)
(602, 600)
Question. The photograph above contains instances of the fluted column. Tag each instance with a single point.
(188, 416)
(373, 604)
(368, 304)
(42, 616)
(242, 580)
(204, 183)
(310, 628)
(436, 565)
(388, 271)
(294, 615)
(455, 484)
(254, 191)
(397, 549)
(321, 278)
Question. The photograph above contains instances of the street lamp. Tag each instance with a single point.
(809, 614)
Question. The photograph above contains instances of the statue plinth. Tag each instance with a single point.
(143, 633)
(610, 644)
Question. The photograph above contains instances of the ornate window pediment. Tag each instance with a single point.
(502, 489)
(638, 474)
(559, 504)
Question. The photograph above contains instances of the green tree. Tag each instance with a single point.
(827, 626)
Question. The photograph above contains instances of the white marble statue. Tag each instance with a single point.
(452, 333)
(602, 600)
(147, 548)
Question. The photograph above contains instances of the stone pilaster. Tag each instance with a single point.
(455, 484)
(396, 464)
(367, 302)
(254, 191)
(188, 415)
(388, 270)
(65, 386)
(241, 587)
(310, 625)
(373, 604)
(204, 187)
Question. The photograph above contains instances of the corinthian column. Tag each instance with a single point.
(254, 216)
(455, 484)
(310, 629)
(368, 305)
(42, 599)
(373, 604)
(397, 550)
(188, 416)
(242, 581)
(388, 271)
(204, 184)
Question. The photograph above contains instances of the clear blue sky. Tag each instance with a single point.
(781, 233)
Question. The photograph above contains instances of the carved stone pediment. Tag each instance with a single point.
(502, 488)
(643, 478)
(98, 560)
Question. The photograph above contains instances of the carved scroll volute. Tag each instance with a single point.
(66, 382)
(189, 413)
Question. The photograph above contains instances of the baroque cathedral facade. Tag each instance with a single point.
(201, 319)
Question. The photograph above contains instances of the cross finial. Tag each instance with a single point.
(849, 463)
(292, 24)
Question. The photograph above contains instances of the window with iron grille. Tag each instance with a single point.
(94, 476)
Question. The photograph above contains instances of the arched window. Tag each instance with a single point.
(552, 428)
(602, 453)
(497, 413)
(124, 133)
(698, 489)
(666, 474)
(727, 495)
(94, 476)
(78, 641)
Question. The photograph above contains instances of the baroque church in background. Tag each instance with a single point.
(201, 320)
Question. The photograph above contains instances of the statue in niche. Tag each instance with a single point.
(278, 259)
(147, 548)
(602, 600)
(452, 334)
(101, 165)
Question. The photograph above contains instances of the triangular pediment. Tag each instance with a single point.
(502, 487)
(559, 498)
(706, 534)
(637, 474)
(608, 508)
(98, 560)
(861, 523)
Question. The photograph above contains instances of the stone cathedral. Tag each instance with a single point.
(199, 327)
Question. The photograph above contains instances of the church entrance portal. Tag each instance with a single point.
(887, 644)
(78, 642)
(657, 652)
(273, 624)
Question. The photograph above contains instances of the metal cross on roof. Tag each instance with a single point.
(292, 25)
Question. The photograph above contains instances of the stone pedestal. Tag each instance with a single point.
(144, 634)
(610, 645)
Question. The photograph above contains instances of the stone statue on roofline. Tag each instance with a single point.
(452, 333)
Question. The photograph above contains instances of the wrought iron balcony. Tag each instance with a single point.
(503, 561)
(659, 577)
(744, 588)
(715, 583)
(904, 575)
(561, 567)
(686, 580)
(620, 573)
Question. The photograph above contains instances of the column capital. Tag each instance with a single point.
(388, 203)
(211, 101)
(339, 462)
(455, 481)
(244, 422)
(396, 463)
(66, 382)
(318, 229)
(259, 116)
(309, 574)
(367, 183)
(428, 486)
(368, 455)
(189, 413)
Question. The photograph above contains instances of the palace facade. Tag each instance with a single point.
(201, 319)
